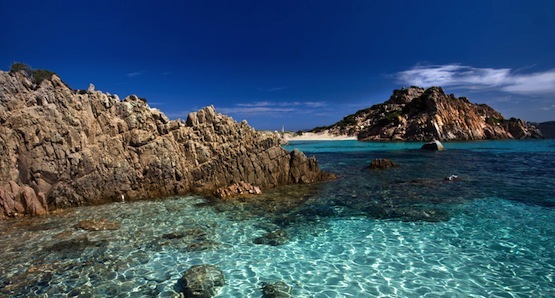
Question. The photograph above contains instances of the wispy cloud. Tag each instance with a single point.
(273, 89)
(468, 77)
(261, 108)
(536, 83)
(135, 74)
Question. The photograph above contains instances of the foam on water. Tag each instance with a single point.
(490, 246)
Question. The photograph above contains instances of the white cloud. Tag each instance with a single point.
(135, 74)
(467, 77)
(535, 83)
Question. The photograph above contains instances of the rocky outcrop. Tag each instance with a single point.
(418, 114)
(61, 147)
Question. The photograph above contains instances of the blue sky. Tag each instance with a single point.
(297, 63)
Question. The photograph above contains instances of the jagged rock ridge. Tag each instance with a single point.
(418, 114)
(60, 147)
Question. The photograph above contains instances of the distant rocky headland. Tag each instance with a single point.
(418, 114)
(61, 147)
(547, 129)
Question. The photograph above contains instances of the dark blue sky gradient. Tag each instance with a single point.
(295, 63)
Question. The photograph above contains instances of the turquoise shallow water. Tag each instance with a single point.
(403, 232)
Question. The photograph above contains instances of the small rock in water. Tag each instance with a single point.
(451, 178)
(276, 290)
(433, 145)
(202, 281)
(382, 163)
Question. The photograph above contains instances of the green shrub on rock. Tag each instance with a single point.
(36, 75)
(18, 66)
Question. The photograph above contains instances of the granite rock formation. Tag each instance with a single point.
(418, 114)
(61, 147)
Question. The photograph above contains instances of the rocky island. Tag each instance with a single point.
(418, 114)
(61, 147)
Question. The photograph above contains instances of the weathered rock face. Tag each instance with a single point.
(60, 148)
(416, 114)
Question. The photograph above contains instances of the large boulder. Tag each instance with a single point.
(202, 281)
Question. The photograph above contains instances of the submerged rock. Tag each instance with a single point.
(274, 238)
(195, 234)
(276, 290)
(73, 248)
(202, 281)
(382, 163)
(433, 145)
(97, 225)
(190, 240)
(203, 245)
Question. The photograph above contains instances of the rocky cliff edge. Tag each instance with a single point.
(61, 147)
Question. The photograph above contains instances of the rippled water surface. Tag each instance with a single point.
(400, 232)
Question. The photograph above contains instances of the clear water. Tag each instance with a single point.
(402, 232)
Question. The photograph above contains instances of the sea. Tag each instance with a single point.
(474, 220)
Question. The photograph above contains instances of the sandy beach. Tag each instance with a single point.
(310, 136)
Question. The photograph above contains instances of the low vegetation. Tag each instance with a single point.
(36, 75)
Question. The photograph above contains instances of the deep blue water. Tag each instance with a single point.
(400, 232)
